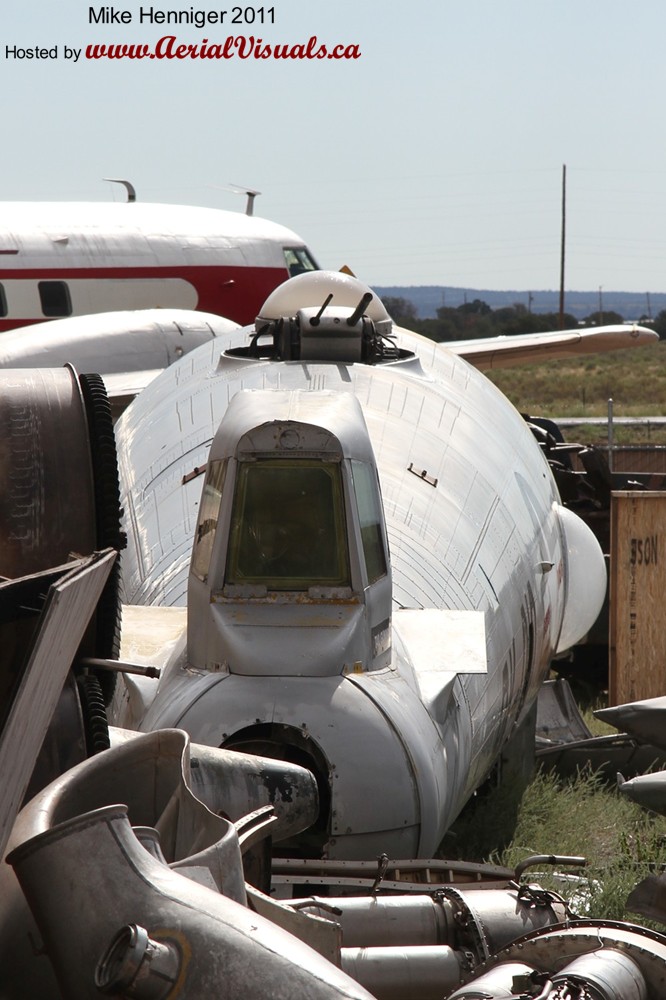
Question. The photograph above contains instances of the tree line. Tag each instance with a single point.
(477, 319)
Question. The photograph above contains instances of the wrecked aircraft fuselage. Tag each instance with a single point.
(381, 570)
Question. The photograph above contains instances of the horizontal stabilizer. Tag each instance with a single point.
(442, 644)
(150, 634)
(150, 637)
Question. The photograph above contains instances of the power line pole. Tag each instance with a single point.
(562, 243)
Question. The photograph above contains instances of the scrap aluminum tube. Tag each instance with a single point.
(494, 985)
(473, 919)
(368, 922)
(500, 917)
(48, 503)
(420, 973)
(151, 774)
(231, 783)
(89, 879)
(612, 974)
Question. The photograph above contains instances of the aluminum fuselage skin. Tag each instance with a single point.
(137, 256)
(474, 525)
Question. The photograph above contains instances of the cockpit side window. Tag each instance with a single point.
(209, 512)
(298, 260)
(3, 302)
(368, 502)
(288, 528)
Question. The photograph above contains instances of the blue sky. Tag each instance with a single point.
(435, 158)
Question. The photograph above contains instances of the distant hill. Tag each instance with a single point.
(429, 298)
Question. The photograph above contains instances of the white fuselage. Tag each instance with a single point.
(474, 525)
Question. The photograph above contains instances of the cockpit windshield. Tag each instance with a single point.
(288, 529)
(298, 261)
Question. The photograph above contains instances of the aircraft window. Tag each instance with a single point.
(288, 526)
(368, 501)
(298, 261)
(3, 302)
(54, 297)
(209, 512)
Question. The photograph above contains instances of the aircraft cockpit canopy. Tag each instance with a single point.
(298, 502)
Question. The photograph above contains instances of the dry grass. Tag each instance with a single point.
(634, 379)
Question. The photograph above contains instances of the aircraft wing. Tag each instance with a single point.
(128, 348)
(122, 387)
(521, 349)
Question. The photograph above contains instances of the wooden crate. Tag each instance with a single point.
(637, 640)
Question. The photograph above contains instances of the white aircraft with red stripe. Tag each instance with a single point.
(62, 259)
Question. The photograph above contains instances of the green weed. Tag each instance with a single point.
(622, 842)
